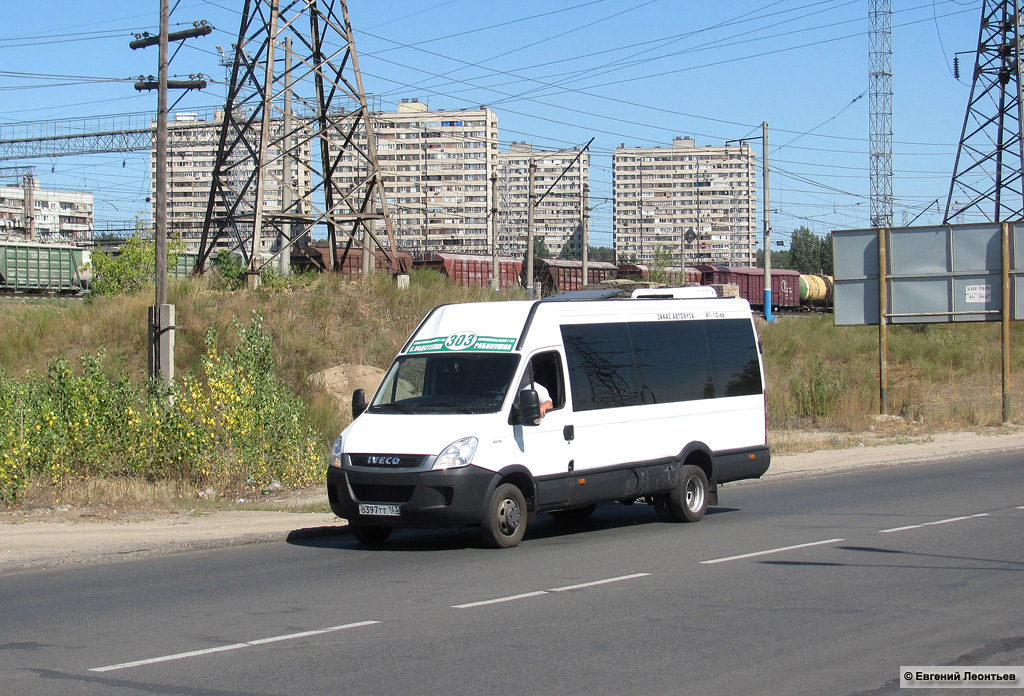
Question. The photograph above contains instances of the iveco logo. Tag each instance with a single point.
(383, 461)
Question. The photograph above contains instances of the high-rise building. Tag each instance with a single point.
(192, 143)
(30, 212)
(558, 217)
(436, 167)
(698, 199)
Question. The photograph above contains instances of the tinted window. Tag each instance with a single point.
(660, 362)
(602, 373)
(734, 357)
(672, 361)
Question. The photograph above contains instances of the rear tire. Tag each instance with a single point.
(504, 522)
(574, 514)
(689, 500)
(372, 536)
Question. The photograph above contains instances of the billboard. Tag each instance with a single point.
(940, 274)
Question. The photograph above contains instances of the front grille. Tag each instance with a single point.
(371, 493)
(387, 461)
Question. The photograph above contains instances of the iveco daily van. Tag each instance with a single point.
(496, 411)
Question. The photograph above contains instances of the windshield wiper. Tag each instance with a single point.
(448, 404)
(392, 405)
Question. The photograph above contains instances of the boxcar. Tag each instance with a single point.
(562, 275)
(471, 269)
(316, 258)
(785, 284)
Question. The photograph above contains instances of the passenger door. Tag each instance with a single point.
(547, 448)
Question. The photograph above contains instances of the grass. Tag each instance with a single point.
(822, 380)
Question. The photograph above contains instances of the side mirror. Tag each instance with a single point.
(527, 407)
(358, 402)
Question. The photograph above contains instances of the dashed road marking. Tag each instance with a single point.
(537, 593)
(233, 646)
(770, 551)
(930, 524)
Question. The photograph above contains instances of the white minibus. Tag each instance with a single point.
(494, 412)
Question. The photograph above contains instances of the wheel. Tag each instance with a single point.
(575, 514)
(370, 535)
(689, 500)
(504, 521)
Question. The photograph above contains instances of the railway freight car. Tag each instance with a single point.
(317, 258)
(29, 267)
(816, 290)
(750, 281)
(562, 275)
(471, 269)
(639, 271)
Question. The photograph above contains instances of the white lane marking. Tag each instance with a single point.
(598, 582)
(499, 600)
(1021, 507)
(233, 646)
(769, 551)
(930, 524)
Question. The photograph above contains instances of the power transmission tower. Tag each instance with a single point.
(265, 145)
(987, 174)
(880, 140)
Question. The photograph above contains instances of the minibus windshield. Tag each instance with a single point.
(448, 382)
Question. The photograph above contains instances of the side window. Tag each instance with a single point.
(672, 361)
(545, 369)
(734, 357)
(602, 371)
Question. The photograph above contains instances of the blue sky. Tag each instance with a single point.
(558, 73)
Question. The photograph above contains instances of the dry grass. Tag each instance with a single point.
(822, 379)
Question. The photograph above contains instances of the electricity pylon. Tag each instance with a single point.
(987, 174)
(880, 54)
(273, 176)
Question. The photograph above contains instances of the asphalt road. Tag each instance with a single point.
(805, 586)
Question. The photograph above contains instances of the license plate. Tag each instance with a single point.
(379, 510)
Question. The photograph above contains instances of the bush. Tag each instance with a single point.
(233, 426)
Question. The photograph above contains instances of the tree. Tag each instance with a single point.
(809, 253)
(601, 254)
(133, 266)
(540, 248)
(567, 252)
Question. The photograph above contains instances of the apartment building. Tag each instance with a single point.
(192, 140)
(558, 217)
(30, 212)
(436, 167)
(698, 199)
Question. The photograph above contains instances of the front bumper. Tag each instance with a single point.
(426, 499)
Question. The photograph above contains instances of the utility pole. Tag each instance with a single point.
(767, 228)
(29, 188)
(495, 272)
(529, 228)
(585, 225)
(161, 315)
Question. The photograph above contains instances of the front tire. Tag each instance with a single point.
(371, 536)
(504, 522)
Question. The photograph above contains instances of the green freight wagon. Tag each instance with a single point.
(28, 267)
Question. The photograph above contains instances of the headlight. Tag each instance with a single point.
(336, 453)
(459, 453)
